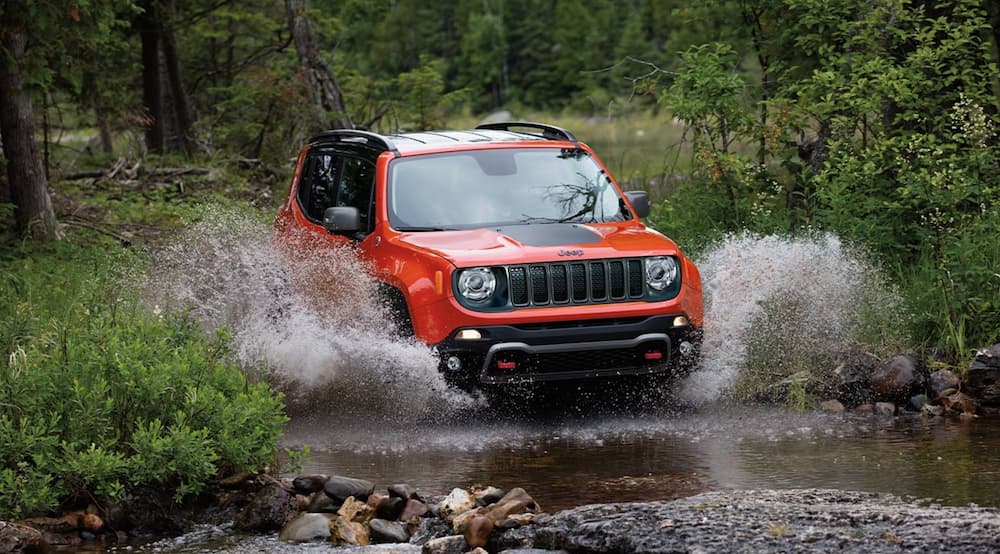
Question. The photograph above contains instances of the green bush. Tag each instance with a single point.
(101, 396)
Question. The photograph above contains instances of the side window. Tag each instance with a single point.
(331, 179)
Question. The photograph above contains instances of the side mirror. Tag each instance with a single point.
(342, 220)
(640, 202)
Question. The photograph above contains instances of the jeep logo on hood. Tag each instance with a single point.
(571, 252)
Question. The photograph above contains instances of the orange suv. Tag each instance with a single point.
(509, 247)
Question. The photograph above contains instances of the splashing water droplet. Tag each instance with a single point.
(331, 347)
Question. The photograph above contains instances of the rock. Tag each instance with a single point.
(918, 402)
(516, 520)
(958, 402)
(454, 544)
(864, 409)
(68, 523)
(477, 534)
(423, 530)
(462, 520)
(306, 527)
(344, 532)
(413, 508)
(487, 496)
(374, 499)
(390, 508)
(896, 380)
(942, 380)
(309, 484)
(319, 502)
(15, 537)
(833, 406)
(885, 409)
(404, 491)
(931, 410)
(520, 495)
(850, 382)
(339, 488)
(356, 511)
(478, 550)
(382, 531)
(237, 481)
(457, 502)
(502, 510)
(268, 510)
(983, 380)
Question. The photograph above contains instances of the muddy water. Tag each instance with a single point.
(569, 461)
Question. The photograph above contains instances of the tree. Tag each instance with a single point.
(29, 188)
(324, 91)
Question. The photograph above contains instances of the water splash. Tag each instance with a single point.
(333, 349)
(789, 299)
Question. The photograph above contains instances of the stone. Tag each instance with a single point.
(983, 380)
(339, 488)
(404, 491)
(942, 380)
(958, 402)
(413, 508)
(237, 481)
(92, 523)
(423, 530)
(462, 520)
(504, 509)
(309, 484)
(319, 502)
(390, 508)
(477, 534)
(268, 510)
(344, 532)
(306, 527)
(519, 494)
(918, 402)
(374, 499)
(382, 532)
(864, 409)
(489, 495)
(832, 406)
(517, 520)
(478, 550)
(896, 380)
(454, 544)
(68, 523)
(885, 409)
(932, 410)
(356, 511)
(15, 537)
(457, 502)
(850, 378)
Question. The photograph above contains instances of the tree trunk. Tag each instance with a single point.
(324, 91)
(148, 26)
(181, 106)
(29, 189)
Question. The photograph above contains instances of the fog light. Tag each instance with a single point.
(685, 348)
(454, 363)
(469, 334)
(680, 321)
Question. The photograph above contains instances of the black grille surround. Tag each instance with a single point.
(602, 281)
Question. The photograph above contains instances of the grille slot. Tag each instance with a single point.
(592, 282)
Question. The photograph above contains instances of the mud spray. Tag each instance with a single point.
(333, 351)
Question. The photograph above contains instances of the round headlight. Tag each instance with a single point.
(660, 272)
(477, 284)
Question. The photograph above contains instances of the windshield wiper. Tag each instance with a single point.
(422, 229)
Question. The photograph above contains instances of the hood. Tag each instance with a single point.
(546, 242)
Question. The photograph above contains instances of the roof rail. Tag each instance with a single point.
(547, 131)
(371, 139)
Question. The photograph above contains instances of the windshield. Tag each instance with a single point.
(492, 188)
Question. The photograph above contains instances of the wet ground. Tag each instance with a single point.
(566, 461)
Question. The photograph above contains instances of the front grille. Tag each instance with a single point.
(595, 281)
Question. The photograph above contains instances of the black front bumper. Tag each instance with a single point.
(574, 350)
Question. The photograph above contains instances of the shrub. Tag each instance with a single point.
(100, 396)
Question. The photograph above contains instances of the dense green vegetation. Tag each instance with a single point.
(100, 397)
(876, 121)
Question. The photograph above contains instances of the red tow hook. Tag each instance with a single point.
(506, 365)
(654, 355)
